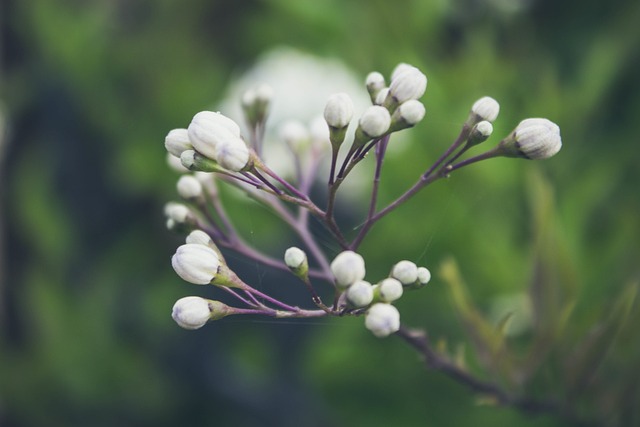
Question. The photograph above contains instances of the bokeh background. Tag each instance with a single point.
(88, 91)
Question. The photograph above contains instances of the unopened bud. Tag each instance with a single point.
(195, 263)
(199, 237)
(375, 122)
(296, 260)
(479, 133)
(532, 139)
(208, 129)
(195, 312)
(382, 319)
(406, 272)
(176, 141)
(233, 154)
(408, 114)
(179, 216)
(389, 290)
(348, 268)
(375, 83)
(189, 188)
(295, 135)
(360, 294)
(485, 108)
(407, 83)
(256, 102)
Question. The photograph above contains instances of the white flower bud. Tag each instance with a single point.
(189, 187)
(403, 66)
(424, 276)
(405, 271)
(232, 154)
(533, 139)
(407, 115)
(375, 121)
(208, 129)
(382, 96)
(295, 134)
(176, 141)
(486, 108)
(480, 132)
(195, 263)
(176, 164)
(199, 237)
(338, 111)
(390, 289)
(194, 312)
(360, 294)
(375, 82)
(294, 258)
(319, 133)
(348, 268)
(177, 212)
(382, 319)
(409, 83)
(191, 312)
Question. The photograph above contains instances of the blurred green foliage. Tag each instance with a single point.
(90, 89)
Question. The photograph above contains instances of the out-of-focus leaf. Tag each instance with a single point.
(487, 340)
(582, 364)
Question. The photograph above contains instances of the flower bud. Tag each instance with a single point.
(382, 319)
(176, 141)
(338, 111)
(189, 187)
(480, 132)
(195, 263)
(375, 83)
(319, 134)
(295, 135)
(485, 108)
(176, 164)
(407, 83)
(348, 268)
(406, 272)
(195, 312)
(407, 114)
(296, 260)
(389, 290)
(360, 294)
(424, 276)
(382, 96)
(375, 122)
(199, 237)
(232, 154)
(403, 66)
(208, 129)
(194, 161)
(256, 102)
(178, 216)
(532, 139)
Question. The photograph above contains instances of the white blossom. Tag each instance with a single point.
(196, 263)
(381, 96)
(348, 268)
(411, 112)
(382, 319)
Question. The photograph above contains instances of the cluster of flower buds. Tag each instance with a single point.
(212, 145)
(381, 317)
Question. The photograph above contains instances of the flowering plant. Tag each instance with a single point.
(214, 148)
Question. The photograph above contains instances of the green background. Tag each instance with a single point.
(89, 89)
